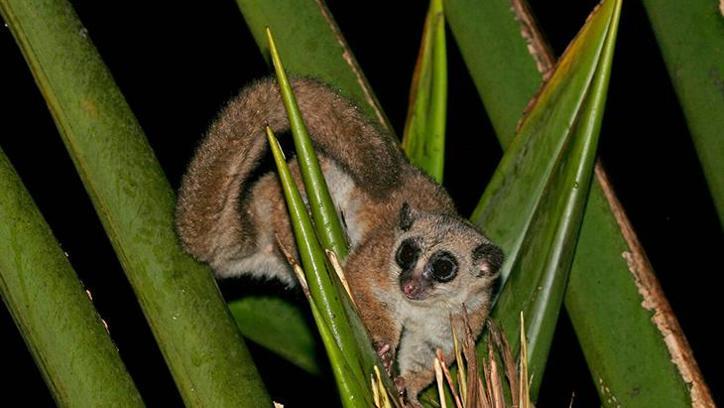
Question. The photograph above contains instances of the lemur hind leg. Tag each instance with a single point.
(265, 211)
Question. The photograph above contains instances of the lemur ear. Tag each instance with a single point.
(488, 258)
(406, 217)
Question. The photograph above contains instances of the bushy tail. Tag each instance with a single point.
(208, 215)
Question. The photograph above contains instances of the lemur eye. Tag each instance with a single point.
(407, 254)
(444, 266)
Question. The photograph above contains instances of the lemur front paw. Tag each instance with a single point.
(387, 355)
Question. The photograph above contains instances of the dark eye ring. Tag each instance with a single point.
(407, 254)
(444, 266)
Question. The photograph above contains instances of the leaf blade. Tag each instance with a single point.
(691, 39)
(560, 131)
(326, 221)
(135, 203)
(311, 43)
(287, 334)
(609, 258)
(78, 360)
(424, 136)
(323, 297)
(519, 177)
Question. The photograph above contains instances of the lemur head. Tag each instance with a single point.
(442, 257)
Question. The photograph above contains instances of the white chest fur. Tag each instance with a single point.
(425, 329)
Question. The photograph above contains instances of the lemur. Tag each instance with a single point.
(413, 262)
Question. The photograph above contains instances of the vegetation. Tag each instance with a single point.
(562, 246)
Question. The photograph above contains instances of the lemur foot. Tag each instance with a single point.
(410, 401)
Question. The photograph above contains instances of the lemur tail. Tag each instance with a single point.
(208, 216)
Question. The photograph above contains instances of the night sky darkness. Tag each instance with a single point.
(177, 65)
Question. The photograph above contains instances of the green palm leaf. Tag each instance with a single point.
(612, 292)
(424, 135)
(568, 112)
(179, 297)
(691, 37)
(331, 305)
(287, 333)
(324, 298)
(77, 358)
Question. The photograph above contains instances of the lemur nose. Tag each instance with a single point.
(410, 288)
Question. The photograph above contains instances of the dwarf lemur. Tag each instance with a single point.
(413, 261)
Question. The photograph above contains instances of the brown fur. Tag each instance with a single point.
(232, 225)
(236, 142)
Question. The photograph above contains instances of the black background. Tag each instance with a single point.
(178, 63)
